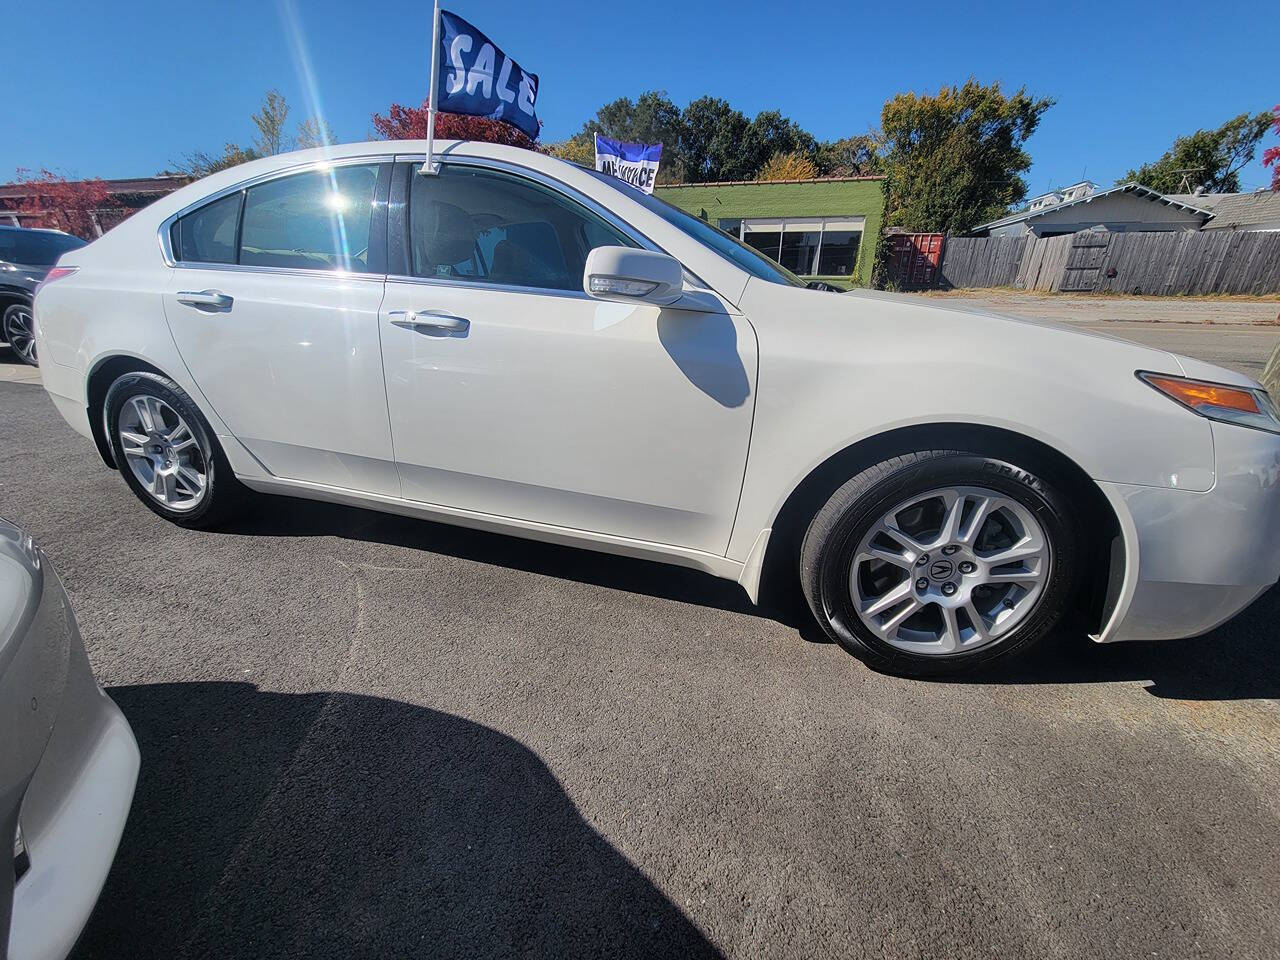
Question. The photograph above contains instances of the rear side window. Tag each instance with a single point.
(313, 221)
(208, 235)
(491, 227)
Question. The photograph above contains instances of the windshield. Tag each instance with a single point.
(35, 247)
(752, 261)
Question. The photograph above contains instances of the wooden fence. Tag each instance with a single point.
(981, 261)
(1184, 262)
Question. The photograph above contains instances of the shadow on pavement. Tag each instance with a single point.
(289, 517)
(336, 825)
(1239, 660)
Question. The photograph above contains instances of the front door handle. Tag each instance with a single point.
(429, 320)
(205, 298)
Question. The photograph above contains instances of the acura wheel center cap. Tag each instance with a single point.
(941, 570)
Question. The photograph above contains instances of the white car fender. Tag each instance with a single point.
(838, 370)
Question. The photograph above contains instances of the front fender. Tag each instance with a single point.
(838, 370)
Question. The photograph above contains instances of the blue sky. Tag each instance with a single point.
(125, 89)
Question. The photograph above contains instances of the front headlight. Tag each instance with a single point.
(1218, 401)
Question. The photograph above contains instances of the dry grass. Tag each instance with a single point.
(1014, 292)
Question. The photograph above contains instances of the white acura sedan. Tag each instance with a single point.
(518, 344)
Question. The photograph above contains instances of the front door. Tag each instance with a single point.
(280, 328)
(513, 393)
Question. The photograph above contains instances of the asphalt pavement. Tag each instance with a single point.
(365, 735)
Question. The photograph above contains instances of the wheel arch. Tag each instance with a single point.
(1105, 552)
(104, 373)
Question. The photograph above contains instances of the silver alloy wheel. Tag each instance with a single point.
(162, 452)
(20, 332)
(950, 571)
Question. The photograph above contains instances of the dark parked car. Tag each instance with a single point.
(25, 257)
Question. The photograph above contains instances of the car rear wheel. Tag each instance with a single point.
(940, 561)
(167, 453)
(20, 332)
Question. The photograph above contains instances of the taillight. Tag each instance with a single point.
(57, 273)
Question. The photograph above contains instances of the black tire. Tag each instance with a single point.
(833, 536)
(16, 332)
(223, 495)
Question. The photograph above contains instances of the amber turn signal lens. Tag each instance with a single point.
(1197, 395)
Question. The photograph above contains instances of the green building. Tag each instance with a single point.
(819, 229)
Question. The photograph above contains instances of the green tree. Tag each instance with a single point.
(769, 134)
(1208, 158)
(856, 156)
(270, 121)
(711, 139)
(955, 160)
(201, 164)
(651, 118)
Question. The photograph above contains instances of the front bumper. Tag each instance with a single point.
(1194, 560)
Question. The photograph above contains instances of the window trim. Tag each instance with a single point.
(377, 224)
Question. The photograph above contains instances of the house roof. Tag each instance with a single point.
(1233, 210)
(161, 185)
(1137, 189)
(1206, 201)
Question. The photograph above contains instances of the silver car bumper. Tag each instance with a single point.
(68, 768)
(1194, 560)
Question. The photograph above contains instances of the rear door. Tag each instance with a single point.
(274, 306)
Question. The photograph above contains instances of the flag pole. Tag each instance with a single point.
(429, 166)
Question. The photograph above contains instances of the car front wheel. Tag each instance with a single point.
(167, 453)
(939, 561)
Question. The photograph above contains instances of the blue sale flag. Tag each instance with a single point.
(478, 79)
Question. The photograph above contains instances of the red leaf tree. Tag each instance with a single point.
(410, 123)
(63, 204)
(1271, 156)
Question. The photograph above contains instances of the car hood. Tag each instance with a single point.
(947, 320)
(844, 367)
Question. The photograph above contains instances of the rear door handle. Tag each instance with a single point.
(205, 298)
(429, 320)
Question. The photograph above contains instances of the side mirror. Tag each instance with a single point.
(630, 275)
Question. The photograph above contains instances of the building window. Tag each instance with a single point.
(800, 249)
(807, 246)
(839, 257)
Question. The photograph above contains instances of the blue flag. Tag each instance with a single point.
(478, 79)
(636, 163)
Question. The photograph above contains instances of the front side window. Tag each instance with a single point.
(492, 227)
(759, 265)
(315, 221)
